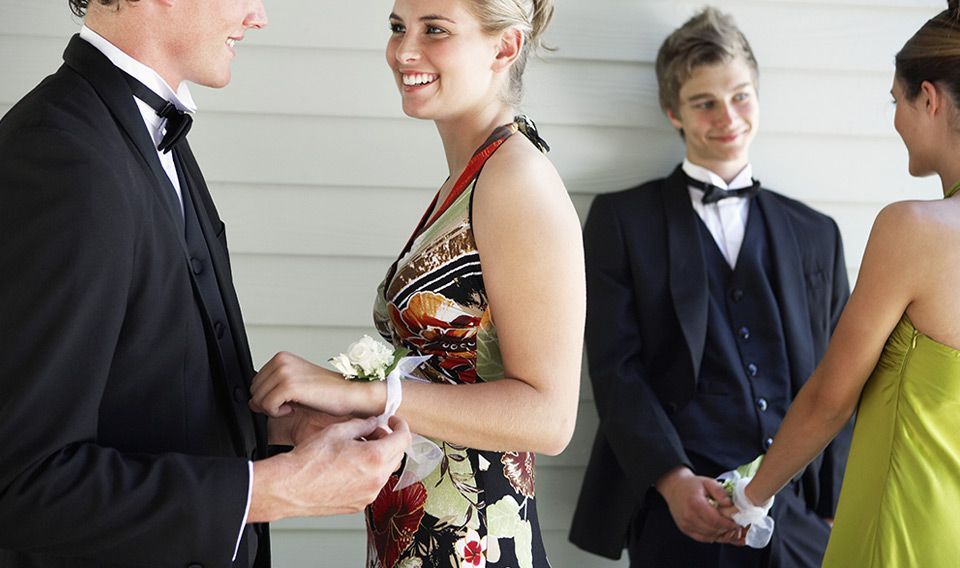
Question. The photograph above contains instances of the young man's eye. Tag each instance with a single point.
(740, 97)
(706, 105)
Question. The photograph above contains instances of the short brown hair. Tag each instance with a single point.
(79, 7)
(708, 38)
(933, 54)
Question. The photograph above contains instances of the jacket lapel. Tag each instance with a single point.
(105, 78)
(791, 291)
(688, 273)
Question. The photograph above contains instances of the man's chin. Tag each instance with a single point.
(214, 81)
(732, 152)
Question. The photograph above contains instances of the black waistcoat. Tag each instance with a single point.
(743, 389)
(224, 358)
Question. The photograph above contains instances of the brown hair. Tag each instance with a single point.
(531, 17)
(708, 38)
(933, 54)
(79, 7)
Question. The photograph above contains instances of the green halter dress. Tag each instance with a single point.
(900, 502)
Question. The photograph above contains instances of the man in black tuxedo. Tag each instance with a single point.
(124, 377)
(710, 302)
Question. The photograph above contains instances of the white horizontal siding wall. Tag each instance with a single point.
(320, 177)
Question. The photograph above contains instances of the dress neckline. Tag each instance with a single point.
(480, 157)
(476, 163)
(521, 123)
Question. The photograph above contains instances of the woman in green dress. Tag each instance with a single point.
(895, 355)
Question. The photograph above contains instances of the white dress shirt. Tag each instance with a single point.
(156, 127)
(726, 219)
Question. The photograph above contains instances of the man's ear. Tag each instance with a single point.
(674, 120)
(509, 48)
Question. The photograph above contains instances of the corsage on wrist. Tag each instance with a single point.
(370, 360)
(749, 515)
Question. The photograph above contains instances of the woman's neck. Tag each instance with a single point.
(462, 135)
(947, 166)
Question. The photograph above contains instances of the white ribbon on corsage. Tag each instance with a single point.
(750, 515)
(423, 456)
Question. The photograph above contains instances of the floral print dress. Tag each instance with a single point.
(477, 508)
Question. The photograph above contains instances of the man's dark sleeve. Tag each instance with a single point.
(67, 254)
(632, 418)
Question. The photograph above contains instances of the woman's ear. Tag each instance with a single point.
(933, 98)
(509, 48)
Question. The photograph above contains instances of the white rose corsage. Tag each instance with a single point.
(368, 359)
(749, 515)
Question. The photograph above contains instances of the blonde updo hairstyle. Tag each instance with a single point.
(531, 17)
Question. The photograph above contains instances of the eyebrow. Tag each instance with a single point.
(701, 96)
(427, 18)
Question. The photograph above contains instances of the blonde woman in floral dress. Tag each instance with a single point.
(490, 284)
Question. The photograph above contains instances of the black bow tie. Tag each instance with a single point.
(178, 122)
(713, 194)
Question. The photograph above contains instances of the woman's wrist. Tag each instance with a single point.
(749, 492)
(371, 398)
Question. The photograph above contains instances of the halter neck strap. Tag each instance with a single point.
(952, 191)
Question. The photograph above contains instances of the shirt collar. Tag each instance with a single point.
(181, 98)
(700, 173)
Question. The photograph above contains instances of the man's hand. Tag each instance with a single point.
(299, 425)
(694, 501)
(329, 473)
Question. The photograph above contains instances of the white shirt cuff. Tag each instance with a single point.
(246, 511)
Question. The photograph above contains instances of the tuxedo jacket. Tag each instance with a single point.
(647, 304)
(124, 443)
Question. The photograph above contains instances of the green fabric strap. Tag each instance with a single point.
(953, 190)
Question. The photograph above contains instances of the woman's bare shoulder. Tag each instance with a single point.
(919, 220)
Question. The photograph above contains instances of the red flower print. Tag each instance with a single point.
(394, 518)
(472, 553)
(462, 369)
(518, 467)
(471, 550)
